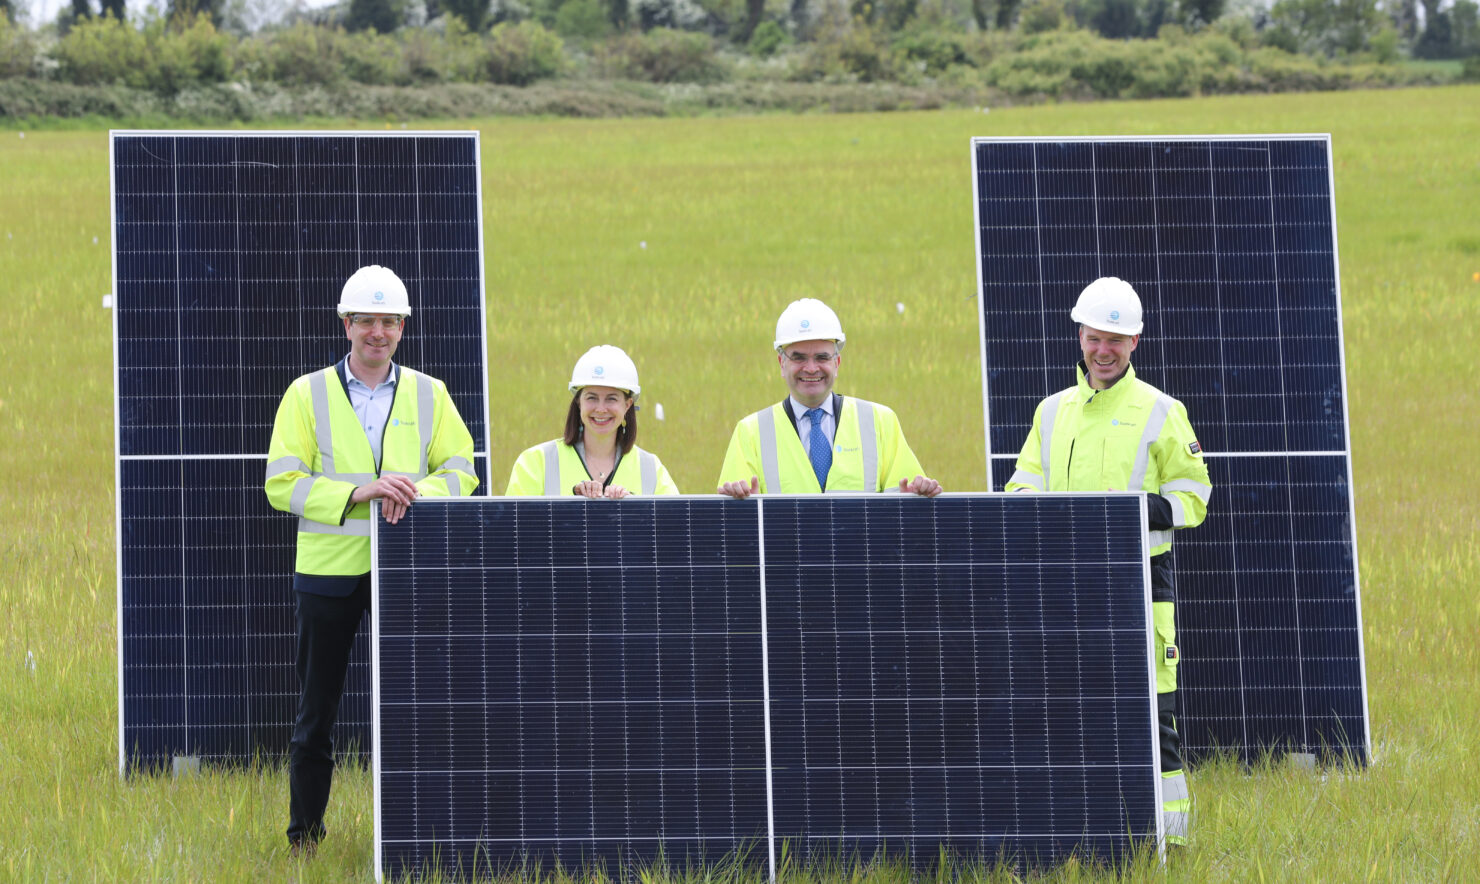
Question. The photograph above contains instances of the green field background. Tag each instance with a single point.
(740, 216)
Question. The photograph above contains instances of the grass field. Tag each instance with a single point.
(739, 216)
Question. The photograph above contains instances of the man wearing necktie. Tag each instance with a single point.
(815, 440)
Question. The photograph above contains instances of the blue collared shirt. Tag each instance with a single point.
(372, 407)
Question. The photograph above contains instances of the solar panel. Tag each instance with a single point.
(613, 685)
(1231, 244)
(229, 251)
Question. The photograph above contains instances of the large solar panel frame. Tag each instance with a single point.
(1231, 243)
(766, 667)
(228, 253)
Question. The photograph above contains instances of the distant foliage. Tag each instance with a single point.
(162, 56)
(661, 55)
(17, 50)
(521, 54)
(767, 39)
(383, 16)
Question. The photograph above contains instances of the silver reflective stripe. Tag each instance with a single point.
(1050, 414)
(1173, 788)
(648, 463)
(355, 478)
(457, 463)
(415, 477)
(454, 485)
(350, 528)
(289, 464)
(1192, 486)
(1179, 515)
(425, 393)
(323, 431)
(1149, 434)
(1157, 538)
(1023, 477)
(298, 503)
(551, 451)
(870, 443)
(1175, 823)
(769, 472)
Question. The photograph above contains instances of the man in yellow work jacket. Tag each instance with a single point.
(364, 429)
(815, 440)
(1113, 432)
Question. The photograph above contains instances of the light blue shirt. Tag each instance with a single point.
(372, 407)
(804, 426)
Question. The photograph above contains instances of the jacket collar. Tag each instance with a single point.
(1086, 392)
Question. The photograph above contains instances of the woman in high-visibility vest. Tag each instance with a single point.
(598, 455)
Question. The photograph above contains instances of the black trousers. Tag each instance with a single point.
(1170, 740)
(326, 633)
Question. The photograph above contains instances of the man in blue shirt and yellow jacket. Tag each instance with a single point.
(1111, 432)
(364, 429)
(815, 440)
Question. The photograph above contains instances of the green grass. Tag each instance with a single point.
(740, 215)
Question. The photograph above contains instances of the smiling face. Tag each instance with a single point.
(810, 369)
(1106, 355)
(372, 339)
(602, 410)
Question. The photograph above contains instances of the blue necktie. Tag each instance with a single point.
(819, 450)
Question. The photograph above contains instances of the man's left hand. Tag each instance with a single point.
(921, 485)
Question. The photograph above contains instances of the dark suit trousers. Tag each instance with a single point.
(326, 633)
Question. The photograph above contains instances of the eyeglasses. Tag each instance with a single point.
(799, 358)
(369, 321)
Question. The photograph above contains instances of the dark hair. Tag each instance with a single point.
(626, 434)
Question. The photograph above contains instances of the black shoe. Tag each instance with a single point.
(303, 849)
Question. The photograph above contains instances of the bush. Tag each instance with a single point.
(934, 49)
(164, 57)
(661, 55)
(521, 54)
(767, 39)
(852, 52)
(17, 50)
(372, 58)
(582, 19)
(103, 50)
(304, 55)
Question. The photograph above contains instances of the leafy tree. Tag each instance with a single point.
(383, 16)
(114, 8)
(474, 13)
(8, 10)
(1200, 13)
(185, 9)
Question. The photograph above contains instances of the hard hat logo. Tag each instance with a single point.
(806, 324)
(379, 297)
(1114, 315)
(598, 371)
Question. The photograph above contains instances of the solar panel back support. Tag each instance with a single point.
(229, 250)
(584, 682)
(1231, 243)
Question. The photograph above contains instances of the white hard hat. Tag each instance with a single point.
(605, 366)
(1109, 304)
(808, 319)
(374, 289)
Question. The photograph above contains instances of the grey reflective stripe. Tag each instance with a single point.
(415, 477)
(350, 528)
(551, 451)
(1179, 515)
(289, 464)
(454, 485)
(355, 478)
(457, 463)
(1045, 434)
(1157, 538)
(1191, 486)
(769, 472)
(870, 443)
(1149, 434)
(298, 503)
(1173, 788)
(648, 465)
(1023, 477)
(323, 431)
(425, 393)
(1175, 822)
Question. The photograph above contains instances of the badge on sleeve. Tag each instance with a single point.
(1171, 652)
(1194, 447)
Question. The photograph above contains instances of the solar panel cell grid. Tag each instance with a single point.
(229, 253)
(588, 683)
(1230, 243)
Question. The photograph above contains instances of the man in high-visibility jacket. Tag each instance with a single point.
(364, 429)
(815, 440)
(1113, 431)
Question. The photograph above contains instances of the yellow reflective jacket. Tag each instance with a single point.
(319, 454)
(1131, 437)
(553, 468)
(869, 451)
